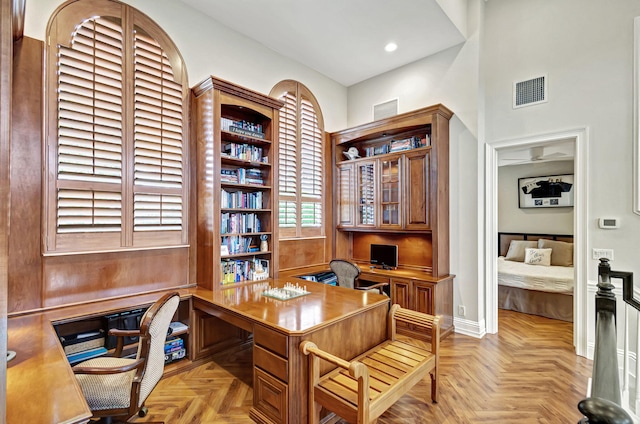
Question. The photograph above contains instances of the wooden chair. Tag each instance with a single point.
(118, 387)
(347, 274)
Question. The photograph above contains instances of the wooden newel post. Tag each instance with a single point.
(604, 404)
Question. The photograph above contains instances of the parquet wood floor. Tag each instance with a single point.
(527, 373)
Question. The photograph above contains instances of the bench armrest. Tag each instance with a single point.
(429, 323)
(355, 368)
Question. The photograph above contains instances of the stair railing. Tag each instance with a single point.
(604, 404)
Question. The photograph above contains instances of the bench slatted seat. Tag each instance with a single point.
(361, 390)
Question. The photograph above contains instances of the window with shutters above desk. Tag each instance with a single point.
(300, 162)
(116, 134)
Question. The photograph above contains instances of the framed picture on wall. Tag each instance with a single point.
(552, 191)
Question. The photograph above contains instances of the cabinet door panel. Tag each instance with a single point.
(346, 195)
(390, 193)
(417, 191)
(400, 293)
(366, 192)
(423, 297)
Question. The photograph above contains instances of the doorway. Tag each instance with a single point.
(493, 151)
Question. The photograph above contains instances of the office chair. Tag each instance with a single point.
(118, 387)
(347, 274)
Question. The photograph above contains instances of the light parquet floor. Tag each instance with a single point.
(527, 373)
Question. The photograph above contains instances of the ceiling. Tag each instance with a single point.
(342, 39)
(558, 150)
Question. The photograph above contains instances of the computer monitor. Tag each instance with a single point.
(384, 255)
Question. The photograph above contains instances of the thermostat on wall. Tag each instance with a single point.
(608, 223)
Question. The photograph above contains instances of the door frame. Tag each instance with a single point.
(580, 226)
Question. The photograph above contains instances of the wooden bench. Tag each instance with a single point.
(363, 389)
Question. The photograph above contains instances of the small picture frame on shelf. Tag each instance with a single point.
(224, 250)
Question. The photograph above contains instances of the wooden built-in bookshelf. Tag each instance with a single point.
(236, 183)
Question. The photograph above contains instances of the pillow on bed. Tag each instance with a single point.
(516, 249)
(537, 256)
(562, 254)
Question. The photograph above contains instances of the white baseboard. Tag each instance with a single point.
(469, 328)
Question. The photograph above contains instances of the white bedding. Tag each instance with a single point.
(552, 279)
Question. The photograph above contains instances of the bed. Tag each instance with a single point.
(540, 283)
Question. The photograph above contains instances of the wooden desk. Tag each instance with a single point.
(345, 322)
(41, 387)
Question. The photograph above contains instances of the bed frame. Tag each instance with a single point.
(550, 305)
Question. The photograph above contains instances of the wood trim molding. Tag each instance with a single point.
(6, 64)
(17, 16)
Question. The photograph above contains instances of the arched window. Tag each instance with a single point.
(116, 131)
(300, 161)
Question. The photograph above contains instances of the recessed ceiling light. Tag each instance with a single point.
(391, 47)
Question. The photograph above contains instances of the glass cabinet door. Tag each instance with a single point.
(390, 192)
(366, 194)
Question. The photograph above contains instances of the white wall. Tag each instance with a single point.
(511, 218)
(450, 77)
(586, 49)
(210, 48)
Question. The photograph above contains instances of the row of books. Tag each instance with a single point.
(233, 245)
(240, 199)
(399, 145)
(241, 176)
(174, 349)
(237, 223)
(244, 152)
(242, 127)
(236, 271)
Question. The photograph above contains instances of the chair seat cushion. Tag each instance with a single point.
(106, 391)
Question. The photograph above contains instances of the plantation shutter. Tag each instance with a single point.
(158, 155)
(89, 139)
(311, 166)
(116, 133)
(288, 160)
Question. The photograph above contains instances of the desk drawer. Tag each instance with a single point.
(272, 340)
(270, 397)
(271, 363)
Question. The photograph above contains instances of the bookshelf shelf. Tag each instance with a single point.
(250, 186)
(229, 136)
(237, 132)
(243, 162)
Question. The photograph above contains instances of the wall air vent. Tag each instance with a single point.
(385, 109)
(530, 92)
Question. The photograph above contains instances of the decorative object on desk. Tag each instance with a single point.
(289, 291)
(264, 245)
(554, 191)
(352, 153)
(10, 355)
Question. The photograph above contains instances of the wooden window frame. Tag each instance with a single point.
(300, 92)
(60, 31)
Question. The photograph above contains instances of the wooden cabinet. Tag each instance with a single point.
(390, 193)
(397, 189)
(366, 194)
(416, 211)
(345, 177)
(431, 297)
(236, 175)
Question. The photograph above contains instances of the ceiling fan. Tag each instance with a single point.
(536, 154)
